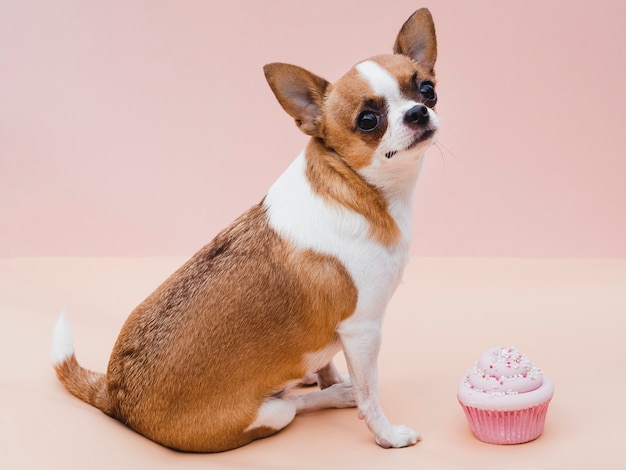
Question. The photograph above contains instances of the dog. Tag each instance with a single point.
(210, 360)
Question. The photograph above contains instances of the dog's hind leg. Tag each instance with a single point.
(277, 412)
(274, 414)
(339, 395)
(325, 377)
(329, 375)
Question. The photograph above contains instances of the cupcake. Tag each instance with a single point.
(505, 397)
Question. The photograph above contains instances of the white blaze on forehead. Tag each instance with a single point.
(379, 79)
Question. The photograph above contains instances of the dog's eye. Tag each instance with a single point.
(427, 90)
(367, 121)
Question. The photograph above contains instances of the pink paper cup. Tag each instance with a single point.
(507, 427)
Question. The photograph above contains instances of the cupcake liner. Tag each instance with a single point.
(507, 427)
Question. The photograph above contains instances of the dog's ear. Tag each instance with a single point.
(417, 39)
(300, 93)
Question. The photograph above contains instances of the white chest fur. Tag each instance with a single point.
(307, 221)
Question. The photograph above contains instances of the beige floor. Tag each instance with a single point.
(567, 315)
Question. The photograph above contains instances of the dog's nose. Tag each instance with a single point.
(417, 115)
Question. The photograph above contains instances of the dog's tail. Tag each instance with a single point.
(87, 385)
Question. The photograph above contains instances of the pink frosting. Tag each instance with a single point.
(504, 379)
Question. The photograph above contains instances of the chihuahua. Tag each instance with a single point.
(210, 360)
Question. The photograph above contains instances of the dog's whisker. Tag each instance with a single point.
(440, 145)
(441, 155)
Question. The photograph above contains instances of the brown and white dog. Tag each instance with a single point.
(209, 360)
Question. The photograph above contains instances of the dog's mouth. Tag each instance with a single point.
(425, 135)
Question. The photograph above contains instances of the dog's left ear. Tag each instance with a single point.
(300, 93)
(417, 39)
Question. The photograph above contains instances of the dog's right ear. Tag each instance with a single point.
(300, 93)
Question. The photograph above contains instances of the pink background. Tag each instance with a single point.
(140, 128)
(133, 128)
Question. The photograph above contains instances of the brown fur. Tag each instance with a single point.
(87, 385)
(185, 370)
(347, 98)
(334, 180)
(403, 70)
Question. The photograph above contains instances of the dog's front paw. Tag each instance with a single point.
(397, 436)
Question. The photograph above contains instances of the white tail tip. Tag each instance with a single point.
(62, 342)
